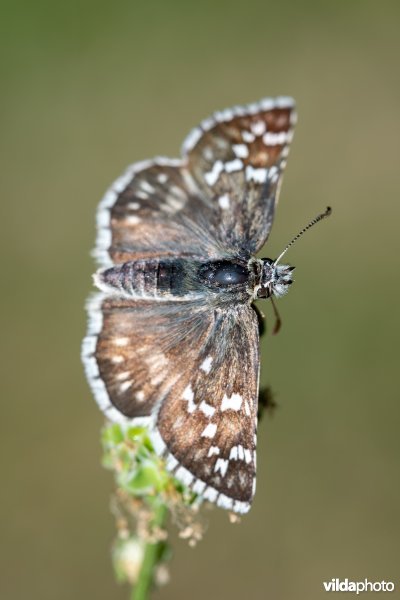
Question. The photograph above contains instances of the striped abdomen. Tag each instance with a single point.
(149, 278)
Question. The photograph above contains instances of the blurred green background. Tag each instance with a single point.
(89, 87)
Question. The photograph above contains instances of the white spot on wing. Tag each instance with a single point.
(157, 361)
(241, 507)
(123, 375)
(162, 178)
(225, 502)
(207, 409)
(258, 128)
(171, 462)
(257, 175)
(188, 395)
(209, 431)
(213, 450)
(132, 220)
(210, 494)
(206, 364)
(125, 386)
(212, 176)
(198, 486)
(178, 193)
(117, 359)
(234, 453)
(233, 165)
(141, 194)
(173, 202)
(121, 341)
(240, 150)
(248, 137)
(232, 403)
(222, 466)
(247, 455)
(273, 173)
(146, 186)
(273, 139)
(139, 396)
(224, 201)
(184, 475)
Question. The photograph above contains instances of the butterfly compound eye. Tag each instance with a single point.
(224, 273)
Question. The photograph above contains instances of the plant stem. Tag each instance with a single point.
(145, 580)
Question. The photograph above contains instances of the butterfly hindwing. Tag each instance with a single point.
(207, 424)
(133, 351)
(191, 373)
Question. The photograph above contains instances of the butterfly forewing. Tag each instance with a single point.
(237, 158)
(218, 200)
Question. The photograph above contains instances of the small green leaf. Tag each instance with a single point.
(146, 479)
(113, 435)
(136, 433)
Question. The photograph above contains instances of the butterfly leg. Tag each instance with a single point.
(266, 401)
(261, 320)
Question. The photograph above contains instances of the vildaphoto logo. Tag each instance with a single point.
(346, 585)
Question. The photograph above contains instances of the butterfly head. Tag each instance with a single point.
(275, 279)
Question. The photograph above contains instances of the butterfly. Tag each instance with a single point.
(173, 335)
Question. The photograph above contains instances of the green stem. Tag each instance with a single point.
(151, 554)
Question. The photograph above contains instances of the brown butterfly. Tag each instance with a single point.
(173, 336)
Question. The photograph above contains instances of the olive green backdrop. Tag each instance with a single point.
(87, 88)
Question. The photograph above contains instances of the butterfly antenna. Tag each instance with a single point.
(311, 223)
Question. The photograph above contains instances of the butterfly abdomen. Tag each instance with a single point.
(150, 278)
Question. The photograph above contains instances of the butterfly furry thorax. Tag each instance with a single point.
(173, 336)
